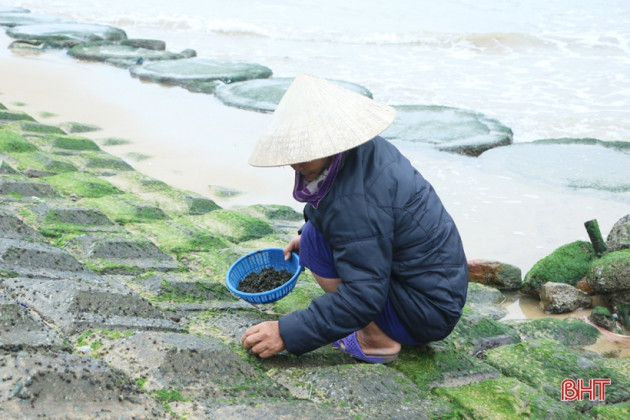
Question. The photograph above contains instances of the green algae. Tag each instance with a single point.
(14, 115)
(44, 162)
(180, 236)
(543, 364)
(619, 411)
(11, 142)
(125, 208)
(610, 272)
(472, 333)
(428, 367)
(82, 185)
(235, 226)
(31, 127)
(568, 264)
(113, 141)
(568, 331)
(76, 127)
(300, 297)
(505, 399)
(71, 142)
(101, 160)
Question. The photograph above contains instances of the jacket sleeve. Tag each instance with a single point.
(361, 236)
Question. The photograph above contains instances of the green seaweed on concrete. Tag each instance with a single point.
(543, 364)
(619, 411)
(568, 331)
(113, 141)
(102, 160)
(179, 237)
(43, 162)
(300, 297)
(32, 127)
(471, 332)
(505, 399)
(213, 265)
(235, 226)
(82, 185)
(71, 142)
(11, 142)
(567, 264)
(7, 115)
(429, 367)
(123, 208)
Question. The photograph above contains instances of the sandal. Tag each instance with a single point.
(351, 346)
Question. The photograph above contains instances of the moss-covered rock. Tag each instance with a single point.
(82, 185)
(505, 399)
(104, 161)
(568, 331)
(543, 364)
(610, 273)
(66, 34)
(11, 142)
(601, 316)
(300, 297)
(567, 264)
(619, 236)
(494, 273)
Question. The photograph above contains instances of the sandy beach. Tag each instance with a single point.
(193, 141)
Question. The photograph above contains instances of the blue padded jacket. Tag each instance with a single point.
(390, 236)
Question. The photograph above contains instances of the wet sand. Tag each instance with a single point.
(193, 141)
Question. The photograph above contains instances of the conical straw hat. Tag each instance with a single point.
(317, 118)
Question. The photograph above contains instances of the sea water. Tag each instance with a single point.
(545, 69)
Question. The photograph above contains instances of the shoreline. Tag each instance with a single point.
(500, 216)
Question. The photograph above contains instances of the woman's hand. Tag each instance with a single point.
(263, 339)
(293, 246)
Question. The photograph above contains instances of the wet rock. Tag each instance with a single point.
(60, 385)
(75, 306)
(475, 334)
(568, 331)
(448, 129)
(124, 53)
(543, 364)
(577, 166)
(20, 17)
(494, 273)
(566, 264)
(40, 164)
(559, 298)
(64, 35)
(147, 44)
(263, 95)
(602, 317)
(71, 143)
(26, 189)
(610, 273)
(14, 143)
(619, 236)
(485, 301)
(197, 74)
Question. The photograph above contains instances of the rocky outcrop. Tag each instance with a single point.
(199, 74)
(448, 129)
(494, 273)
(65, 35)
(559, 298)
(263, 95)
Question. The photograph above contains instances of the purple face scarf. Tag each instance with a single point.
(312, 192)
